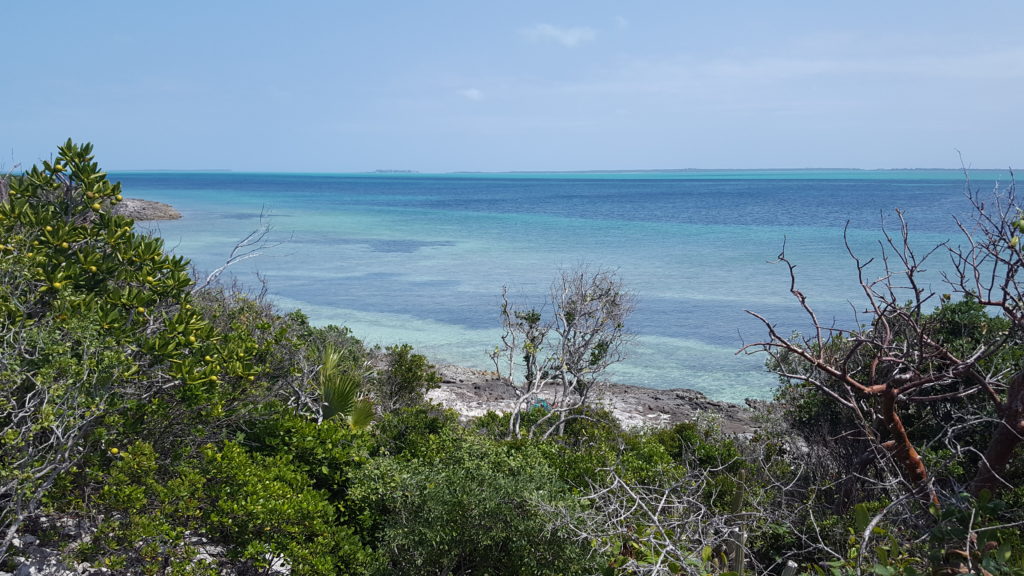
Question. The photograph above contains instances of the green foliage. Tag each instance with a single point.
(404, 378)
(701, 446)
(94, 320)
(339, 387)
(265, 506)
(969, 536)
(938, 429)
(961, 326)
(596, 442)
(103, 345)
(593, 441)
(273, 344)
(50, 396)
(469, 507)
(147, 516)
(496, 425)
(75, 255)
(318, 338)
(983, 533)
(262, 508)
(327, 453)
(70, 260)
(416, 431)
(965, 324)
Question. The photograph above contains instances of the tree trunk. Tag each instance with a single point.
(1005, 438)
(902, 449)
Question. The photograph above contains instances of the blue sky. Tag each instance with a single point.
(526, 85)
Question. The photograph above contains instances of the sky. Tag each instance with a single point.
(439, 86)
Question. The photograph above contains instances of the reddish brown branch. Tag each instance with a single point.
(902, 448)
(1005, 438)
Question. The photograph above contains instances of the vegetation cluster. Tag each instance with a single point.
(169, 420)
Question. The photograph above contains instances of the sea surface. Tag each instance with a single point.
(422, 259)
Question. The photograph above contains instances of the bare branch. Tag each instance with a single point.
(254, 244)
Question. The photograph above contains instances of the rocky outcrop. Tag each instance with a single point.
(139, 210)
(472, 393)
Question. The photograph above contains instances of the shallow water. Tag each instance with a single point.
(423, 258)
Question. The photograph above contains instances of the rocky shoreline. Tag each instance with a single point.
(144, 210)
(472, 393)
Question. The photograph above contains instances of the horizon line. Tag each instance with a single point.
(412, 172)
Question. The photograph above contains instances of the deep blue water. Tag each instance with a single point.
(423, 258)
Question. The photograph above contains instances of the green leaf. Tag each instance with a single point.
(861, 517)
(362, 414)
(882, 570)
(1005, 551)
(339, 387)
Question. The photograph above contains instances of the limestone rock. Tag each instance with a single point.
(140, 210)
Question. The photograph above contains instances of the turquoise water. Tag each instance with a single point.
(422, 258)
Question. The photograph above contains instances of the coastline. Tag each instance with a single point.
(472, 393)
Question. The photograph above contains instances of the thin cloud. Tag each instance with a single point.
(472, 94)
(570, 37)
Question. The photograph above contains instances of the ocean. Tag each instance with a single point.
(422, 259)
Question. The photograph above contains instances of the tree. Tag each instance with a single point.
(905, 368)
(402, 378)
(103, 340)
(562, 359)
(76, 286)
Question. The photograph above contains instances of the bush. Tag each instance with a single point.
(403, 379)
(262, 509)
(147, 515)
(328, 453)
(95, 327)
(416, 431)
(470, 507)
(700, 446)
(104, 344)
(265, 507)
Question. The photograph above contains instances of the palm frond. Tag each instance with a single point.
(339, 387)
(362, 414)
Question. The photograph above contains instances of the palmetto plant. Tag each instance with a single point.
(340, 385)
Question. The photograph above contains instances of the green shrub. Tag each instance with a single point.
(416, 431)
(403, 380)
(260, 508)
(474, 507)
(593, 442)
(104, 344)
(327, 453)
(95, 327)
(264, 506)
(146, 515)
